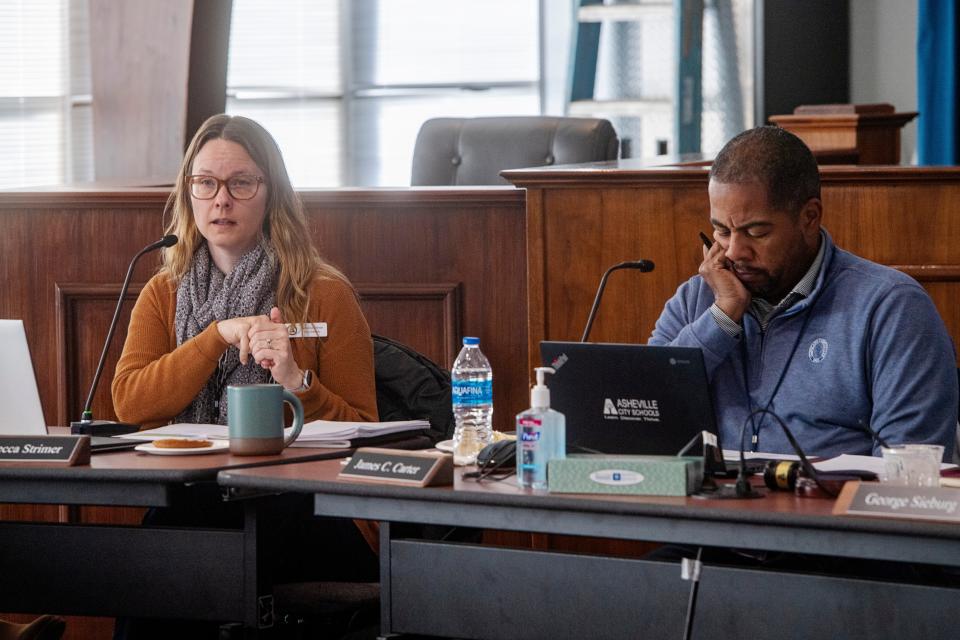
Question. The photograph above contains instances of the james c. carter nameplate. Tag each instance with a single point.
(892, 501)
(396, 466)
(65, 450)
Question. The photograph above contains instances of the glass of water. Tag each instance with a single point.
(912, 465)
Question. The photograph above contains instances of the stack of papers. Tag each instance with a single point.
(844, 462)
(732, 455)
(847, 462)
(319, 433)
(340, 435)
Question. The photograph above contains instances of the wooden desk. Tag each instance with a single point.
(470, 591)
(108, 570)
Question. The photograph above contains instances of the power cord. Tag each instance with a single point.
(497, 471)
(690, 570)
(805, 464)
(742, 487)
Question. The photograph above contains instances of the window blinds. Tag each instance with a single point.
(345, 86)
(44, 138)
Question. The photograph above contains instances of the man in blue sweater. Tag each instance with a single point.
(848, 353)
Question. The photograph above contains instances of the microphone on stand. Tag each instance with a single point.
(640, 265)
(742, 489)
(87, 425)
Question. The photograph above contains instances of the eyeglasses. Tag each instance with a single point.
(239, 187)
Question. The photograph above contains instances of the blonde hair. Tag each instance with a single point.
(284, 226)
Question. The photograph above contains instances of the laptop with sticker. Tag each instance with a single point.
(628, 398)
(23, 414)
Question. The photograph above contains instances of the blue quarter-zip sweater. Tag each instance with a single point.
(873, 354)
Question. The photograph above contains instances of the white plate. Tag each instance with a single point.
(446, 445)
(148, 447)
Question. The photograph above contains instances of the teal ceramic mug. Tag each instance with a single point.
(255, 418)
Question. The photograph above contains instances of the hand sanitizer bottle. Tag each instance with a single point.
(541, 435)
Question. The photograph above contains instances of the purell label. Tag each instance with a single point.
(529, 431)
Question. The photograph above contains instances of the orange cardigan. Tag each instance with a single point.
(155, 379)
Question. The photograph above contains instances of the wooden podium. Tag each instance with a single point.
(872, 131)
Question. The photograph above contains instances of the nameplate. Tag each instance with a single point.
(64, 450)
(307, 330)
(395, 466)
(890, 501)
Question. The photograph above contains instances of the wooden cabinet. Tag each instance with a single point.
(871, 132)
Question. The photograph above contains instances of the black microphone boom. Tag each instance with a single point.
(87, 425)
(640, 265)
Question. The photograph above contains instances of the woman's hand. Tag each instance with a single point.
(270, 346)
(266, 339)
(236, 331)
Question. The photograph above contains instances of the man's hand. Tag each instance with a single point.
(730, 294)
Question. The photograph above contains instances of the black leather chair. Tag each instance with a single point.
(410, 386)
(473, 151)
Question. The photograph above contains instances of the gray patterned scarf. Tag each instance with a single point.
(205, 294)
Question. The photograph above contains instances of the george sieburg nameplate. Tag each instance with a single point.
(65, 450)
(892, 501)
(395, 466)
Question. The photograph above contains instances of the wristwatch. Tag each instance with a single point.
(305, 384)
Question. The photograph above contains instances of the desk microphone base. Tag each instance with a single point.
(102, 428)
(727, 492)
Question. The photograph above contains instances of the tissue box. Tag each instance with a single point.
(625, 475)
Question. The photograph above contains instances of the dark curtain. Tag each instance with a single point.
(937, 58)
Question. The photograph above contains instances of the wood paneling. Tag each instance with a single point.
(581, 222)
(70, 243)
(423, 316)
(83, 314)
(432, 264)
(471, 238)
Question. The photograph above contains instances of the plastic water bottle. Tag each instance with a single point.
(472, 381)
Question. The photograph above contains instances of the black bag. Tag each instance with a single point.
(410, 386)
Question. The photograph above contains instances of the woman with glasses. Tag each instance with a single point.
(240, 299)
(243, 297)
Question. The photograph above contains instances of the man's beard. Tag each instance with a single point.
(765, 288)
